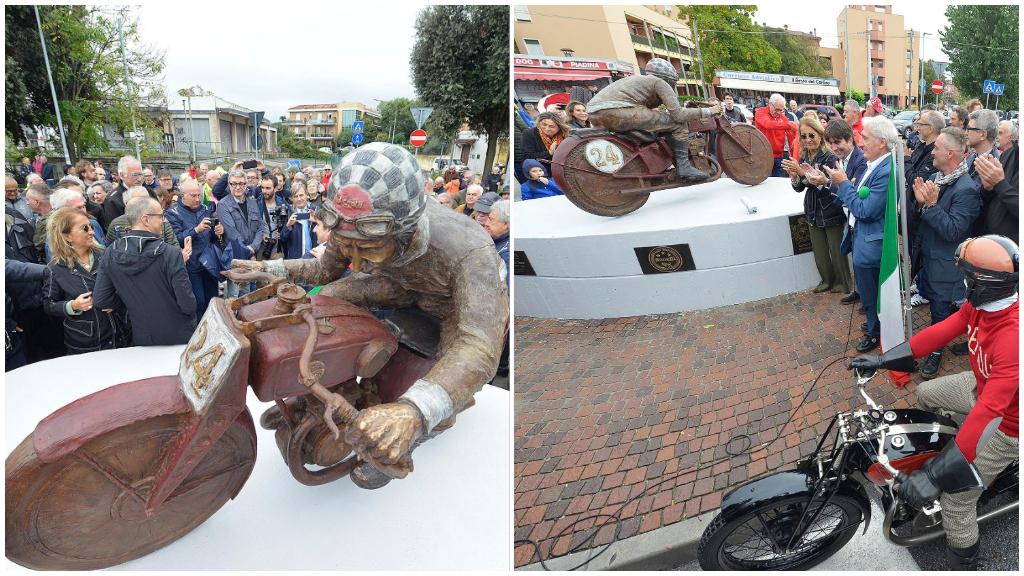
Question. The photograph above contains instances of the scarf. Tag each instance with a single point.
(550, 140)
(948, 179)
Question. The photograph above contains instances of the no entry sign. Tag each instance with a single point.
(937, 87)
(418, 138)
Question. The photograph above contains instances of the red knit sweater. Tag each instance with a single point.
(993, 344)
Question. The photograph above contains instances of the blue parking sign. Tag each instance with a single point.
(357, 138)
(988, 87)
(357, 126)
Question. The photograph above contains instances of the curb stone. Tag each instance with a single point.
(661, 549)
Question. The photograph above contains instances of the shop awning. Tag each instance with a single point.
(557, 74)
(787, 87)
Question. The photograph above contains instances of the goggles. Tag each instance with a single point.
(371, 226)
(983, 274)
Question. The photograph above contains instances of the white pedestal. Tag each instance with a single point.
(586, 266)
(452, 512)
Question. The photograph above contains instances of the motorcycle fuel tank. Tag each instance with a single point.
(913, 437)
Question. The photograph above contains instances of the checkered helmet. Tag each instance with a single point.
(662, 69)
(378, 180)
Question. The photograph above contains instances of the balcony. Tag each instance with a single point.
(639, 39)
(323, 122)
(877, 35)
(878, 54)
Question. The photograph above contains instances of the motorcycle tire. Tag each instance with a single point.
(723, 540)
(67, 515)
(599, 194)
(750, 169)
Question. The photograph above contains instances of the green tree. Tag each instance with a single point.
(982, 44)
(729, 39)
(94, 89)
(460, 67)
(854, 94)
(396, 117)
(797, 56)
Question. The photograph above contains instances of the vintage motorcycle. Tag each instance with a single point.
(613, 173)
(795, 519)
(122, 472)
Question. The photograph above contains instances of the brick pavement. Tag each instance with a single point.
(606, 409)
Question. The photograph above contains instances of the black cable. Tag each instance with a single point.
(615, 515)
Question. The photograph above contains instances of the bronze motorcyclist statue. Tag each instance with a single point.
(631, 104)
(405, 250)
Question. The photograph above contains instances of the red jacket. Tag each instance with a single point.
(858, 127)
(993, 345)
(777, 130)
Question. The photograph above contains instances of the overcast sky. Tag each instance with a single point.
(919, 16)
(271, 56)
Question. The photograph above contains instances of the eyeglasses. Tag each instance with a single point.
(136, 174)
(236, 183)
(86, 228)
(160, 215)
(970, 129)
(808, 136)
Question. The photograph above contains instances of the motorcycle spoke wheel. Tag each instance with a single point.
(745, 168)
(758, 540)
(83, 512)
(600, 193)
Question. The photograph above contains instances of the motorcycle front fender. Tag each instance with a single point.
(89, 417)
(768, 489)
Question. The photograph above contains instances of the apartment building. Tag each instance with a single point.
(877, 54)
(580, 49)
(322, 123)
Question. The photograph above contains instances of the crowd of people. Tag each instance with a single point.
(133, 256)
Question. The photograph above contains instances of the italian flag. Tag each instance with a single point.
(890, 289)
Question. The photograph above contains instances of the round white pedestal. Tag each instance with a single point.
(589, 266)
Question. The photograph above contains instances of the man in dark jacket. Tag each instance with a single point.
(840, 138)
(148, 276)
(730, 111)
(948, 205)
(999, 193)
(130, 172)
(928, 126)
(190, 219)
(494, 179)
(240, 215)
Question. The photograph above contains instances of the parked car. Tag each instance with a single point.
(442, 164)
(904, 122)
(830, 110)
(746, 112)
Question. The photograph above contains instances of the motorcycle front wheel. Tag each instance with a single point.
(758, 539)
(83, 512)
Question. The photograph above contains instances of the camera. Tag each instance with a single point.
(220, 241)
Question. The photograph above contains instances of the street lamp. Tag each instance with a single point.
(920, 87)
(188, 93)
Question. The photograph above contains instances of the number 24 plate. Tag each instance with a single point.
(604, 155)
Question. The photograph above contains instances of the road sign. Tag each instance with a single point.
(357, 138)
(988, 87)
(295, 163)
(999, 89)
(420, 115)
(357, 126)
(937, 87)
(418, 138)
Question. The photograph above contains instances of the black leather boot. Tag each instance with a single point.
(963, 558)
(931, 365)
(685, 170)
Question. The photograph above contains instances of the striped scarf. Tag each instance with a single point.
(948, 179)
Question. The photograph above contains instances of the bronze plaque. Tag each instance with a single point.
(665, 259)
(521, 264)
(800, 234)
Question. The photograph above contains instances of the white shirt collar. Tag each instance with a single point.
(998, 305)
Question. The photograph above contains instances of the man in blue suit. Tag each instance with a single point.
(839, 137)
(866, 202)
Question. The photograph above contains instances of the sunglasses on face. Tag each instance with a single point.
(86, 228)
(808, 136)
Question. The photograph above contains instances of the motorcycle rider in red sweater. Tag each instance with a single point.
(988, 440)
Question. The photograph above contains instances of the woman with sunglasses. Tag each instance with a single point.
(825, 217)
(69, 280)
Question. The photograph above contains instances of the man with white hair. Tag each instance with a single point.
(948, 202)
(129, 169)
(1006, 138)
(999, 191)
(14, 200)
(852, 115)
(71, 195)
(772, 121)
(879, 137)
(794, 112)
(497, 225)
(982, 130)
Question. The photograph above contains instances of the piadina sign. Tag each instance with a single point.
(809, 80)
